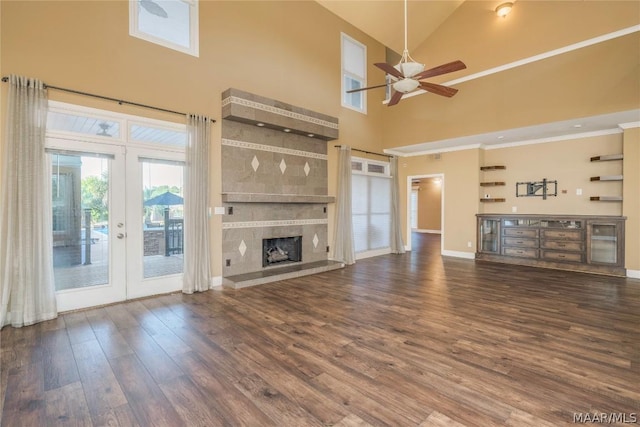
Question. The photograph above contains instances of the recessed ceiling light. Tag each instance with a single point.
(501, 137)
(577, 125)
(287, 130)
(310, 135)
(260, 124)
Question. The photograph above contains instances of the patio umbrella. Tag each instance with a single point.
(165, 199)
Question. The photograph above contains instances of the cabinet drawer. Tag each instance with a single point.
(563, 246)
(518, 232)
(520, 252)
(520, 242)
(562, 256)
(562, 234)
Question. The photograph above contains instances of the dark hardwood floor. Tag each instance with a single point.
(399, 340)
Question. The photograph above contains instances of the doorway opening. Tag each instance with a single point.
(425, 207)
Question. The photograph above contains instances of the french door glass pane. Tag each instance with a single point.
(80, 200)
(163, 218)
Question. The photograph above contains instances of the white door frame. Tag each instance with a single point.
(115, 290)
(137, 285)
(442, 220)
(127, 283)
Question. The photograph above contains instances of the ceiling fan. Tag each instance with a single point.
(406, 74)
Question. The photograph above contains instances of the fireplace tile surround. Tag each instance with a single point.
(274, 185)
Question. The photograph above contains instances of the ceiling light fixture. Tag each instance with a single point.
(104, 126)
(287, 130)
(260, 124)
(310, 135)
(408, 66)
(504, 9)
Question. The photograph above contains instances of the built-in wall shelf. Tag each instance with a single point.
(493, 200)
(606, 198)
(492, 168)
(492, 184)
(607, 178)
(607, 158)
(602, 178)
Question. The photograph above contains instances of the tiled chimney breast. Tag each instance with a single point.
(274, 182)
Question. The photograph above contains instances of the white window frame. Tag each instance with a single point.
(385, 174)
(343, 72)
(365, 167)
(193, 49)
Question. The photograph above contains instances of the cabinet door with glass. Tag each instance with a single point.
(489, 235)
(605, 242)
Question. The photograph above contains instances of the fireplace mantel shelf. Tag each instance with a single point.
(275, 198)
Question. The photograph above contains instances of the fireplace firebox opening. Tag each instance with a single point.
(281, 250)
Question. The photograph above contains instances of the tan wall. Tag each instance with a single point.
(459, 194)
(567, 162)
(289, 51)
(545, 91)
(429, 204)
(631, 197)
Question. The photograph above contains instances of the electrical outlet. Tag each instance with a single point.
(578, 191)
(327, 249)
(228, 263)
(514, 209)
(468, 244)
(324, 209)
(230, 210)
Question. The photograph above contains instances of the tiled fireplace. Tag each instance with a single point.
(274, 188)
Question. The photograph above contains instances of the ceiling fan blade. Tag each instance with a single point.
(389, 69)
(438, 89)
(366, 88)
(441, 69)
(395, 98)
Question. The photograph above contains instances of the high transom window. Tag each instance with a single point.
(169, 23)
(354, 73)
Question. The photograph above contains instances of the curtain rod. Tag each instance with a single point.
(107, 98)
(368, 152)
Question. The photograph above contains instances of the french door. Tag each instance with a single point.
(117, 222)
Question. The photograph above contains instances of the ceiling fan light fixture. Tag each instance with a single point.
(406, 85)
(410, 69)
(504, 9)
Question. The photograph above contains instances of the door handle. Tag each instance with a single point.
(121, 236)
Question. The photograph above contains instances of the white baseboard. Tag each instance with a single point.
(215, 282)
(459, 254)
(634, 274)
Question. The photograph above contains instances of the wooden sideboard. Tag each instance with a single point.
(593, 244)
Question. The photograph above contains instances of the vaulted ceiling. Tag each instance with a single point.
(512, 48)
(384, 20)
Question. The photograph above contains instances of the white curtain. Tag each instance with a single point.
(343, 242)
(196, 206)
(397, 244)
(26, 260)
